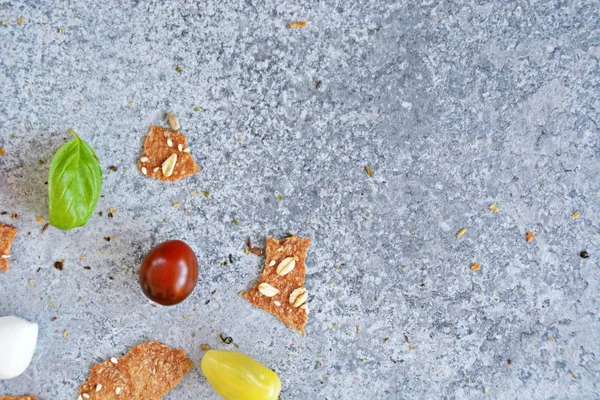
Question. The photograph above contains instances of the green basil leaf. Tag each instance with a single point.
(74, 184)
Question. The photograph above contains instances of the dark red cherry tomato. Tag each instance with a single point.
(169, 273)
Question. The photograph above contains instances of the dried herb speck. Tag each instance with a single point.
(369, 171)
(230, 259)
(59, 265)
(107, 238)
(87, 267)
(46, 225)
(236, 221)
(385, 340)
(226, 339)
(113, 168)
(206, 193)
(318, 85)
(509, 361)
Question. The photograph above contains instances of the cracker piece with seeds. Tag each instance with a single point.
(25, 397)
(7, 235)
(167, 156)
(148, 371)
(280, 289)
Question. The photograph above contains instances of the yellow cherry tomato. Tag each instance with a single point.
(235, 376)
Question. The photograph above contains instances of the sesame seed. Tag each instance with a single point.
(5, 256)
(180, 147)
(169, 143)
(144, 171)
(99, 387)
(86, 396)
(118, 390)
(144, 159)
(79, 398)
(114, 360)
(186, 150)
(156, 169)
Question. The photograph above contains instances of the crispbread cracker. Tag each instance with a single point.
(24, 397)
(147, 372)
(157, 151)
(277, 251)
(7, 235)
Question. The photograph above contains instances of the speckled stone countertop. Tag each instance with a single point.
(454, 106)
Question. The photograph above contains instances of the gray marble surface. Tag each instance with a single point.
(454, 105)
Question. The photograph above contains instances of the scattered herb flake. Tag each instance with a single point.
(20, 21)
(177, 204)
(177, 68)
(205, 347)
(242, 293)
(41, 162)
(112, 212)
(197, 109)
(52, 319)
(113, 168)
(236, 221)
(385, 340)
(87, 267)
(279, 197)
(194, 193)
(46, 225)
(576, 215)
(65, 334)
(551, 338)
(230, 259)
(509, 361)
(318, 85)
(226, 339)
(369, 171)
(40, 219)
(107, 238)
(206, 193)
(14, 216)
(494, 207)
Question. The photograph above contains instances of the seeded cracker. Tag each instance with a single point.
(166, 155)
(149, 371)
(26, 397)
(280, 290)
(7, 235)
